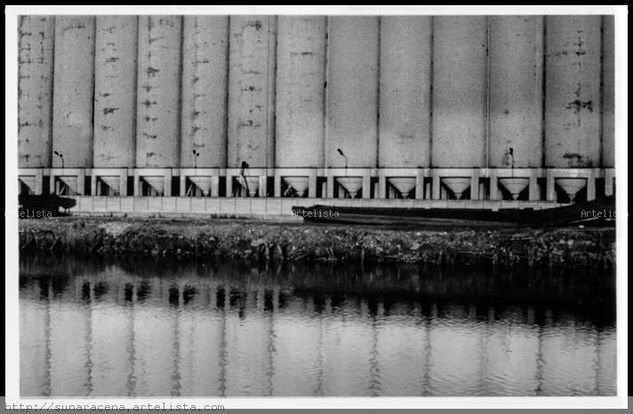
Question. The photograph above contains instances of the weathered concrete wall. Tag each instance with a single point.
(300, 137)
(352, 91)
(251, 90)
(204, 90)
(35, 90)
(115, 91)
(608, 92)
(73, 90)
(392, 91)
(459, 91)
(572, 101)
(516, 90)
(158, 94)
(405, 91)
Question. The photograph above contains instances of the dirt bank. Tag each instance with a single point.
(257, 240)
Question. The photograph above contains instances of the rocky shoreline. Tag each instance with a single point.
(266, 241)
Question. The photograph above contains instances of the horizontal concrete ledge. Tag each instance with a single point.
(415, 184)
(265, 207)
(173, 215)
(375, 172)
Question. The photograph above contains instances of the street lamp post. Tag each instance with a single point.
(196, 154)
(60, 156)
(340, 151)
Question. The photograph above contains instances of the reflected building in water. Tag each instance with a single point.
(228, 330)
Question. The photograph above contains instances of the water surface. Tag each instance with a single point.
(166, 329)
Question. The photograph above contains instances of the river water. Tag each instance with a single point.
(96, 328)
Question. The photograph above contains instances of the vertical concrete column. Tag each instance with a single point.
(459, 91)
(167, 191)
(419, 185)
(39, 182)
(405, 91)
(251, 90)
(494, 185)
(550, 186)
(366, 189)
(474, 184)
(35, 89)
(382, 184)
(609, 182)
(608, 92)
(95, 186)
(572, 89)
(204, 91)
(137, 185)
(533, 192)
(516, 90)
(299, 141)
(277, 184)
(591, 186)
(312, 184)
(158, 94)
(352, 91)
(73, 90)
(436, 187)
(229, 186)
(115, 91)
(329, 187)
(81, 182)
(123, 187)
(183, 185)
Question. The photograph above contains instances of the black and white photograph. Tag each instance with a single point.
(316, 207)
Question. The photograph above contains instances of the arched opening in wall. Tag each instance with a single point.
(197, 186)
(23, 189)
(248, 186)
(152, 186)
(295, 186)
(66, 186)
(400, 188)
(108, 186)
(348, 188)
(449, 194)
(568, 194)
(506, 194)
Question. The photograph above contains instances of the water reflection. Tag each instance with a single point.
(132, 329)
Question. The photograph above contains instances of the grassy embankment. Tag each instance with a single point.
(257, 240)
